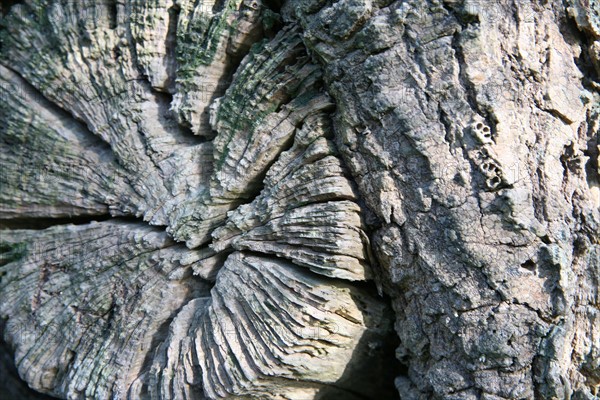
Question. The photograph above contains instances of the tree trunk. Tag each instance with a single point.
(354, 199)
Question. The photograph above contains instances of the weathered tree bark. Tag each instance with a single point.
(300, 199)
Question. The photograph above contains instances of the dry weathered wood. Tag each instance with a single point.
(112, 308)
(199, 199)
(271, 328)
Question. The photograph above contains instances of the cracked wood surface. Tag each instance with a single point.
(354, 199)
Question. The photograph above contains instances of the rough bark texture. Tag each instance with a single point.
(300, 199)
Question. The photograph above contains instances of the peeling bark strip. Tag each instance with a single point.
(199, 198)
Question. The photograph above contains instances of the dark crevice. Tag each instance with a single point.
(573, 36)
(6, 5)
(546, 239)
(591, 151)
(272, 21)
(112, 14)
(274, 5)
(117, 53)
(568, 160)
(371, 374)
(449, 132)
(171, 46)
(539, 202)
(336, 392)
(529, 265)
(11, 385)
(217, 7)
